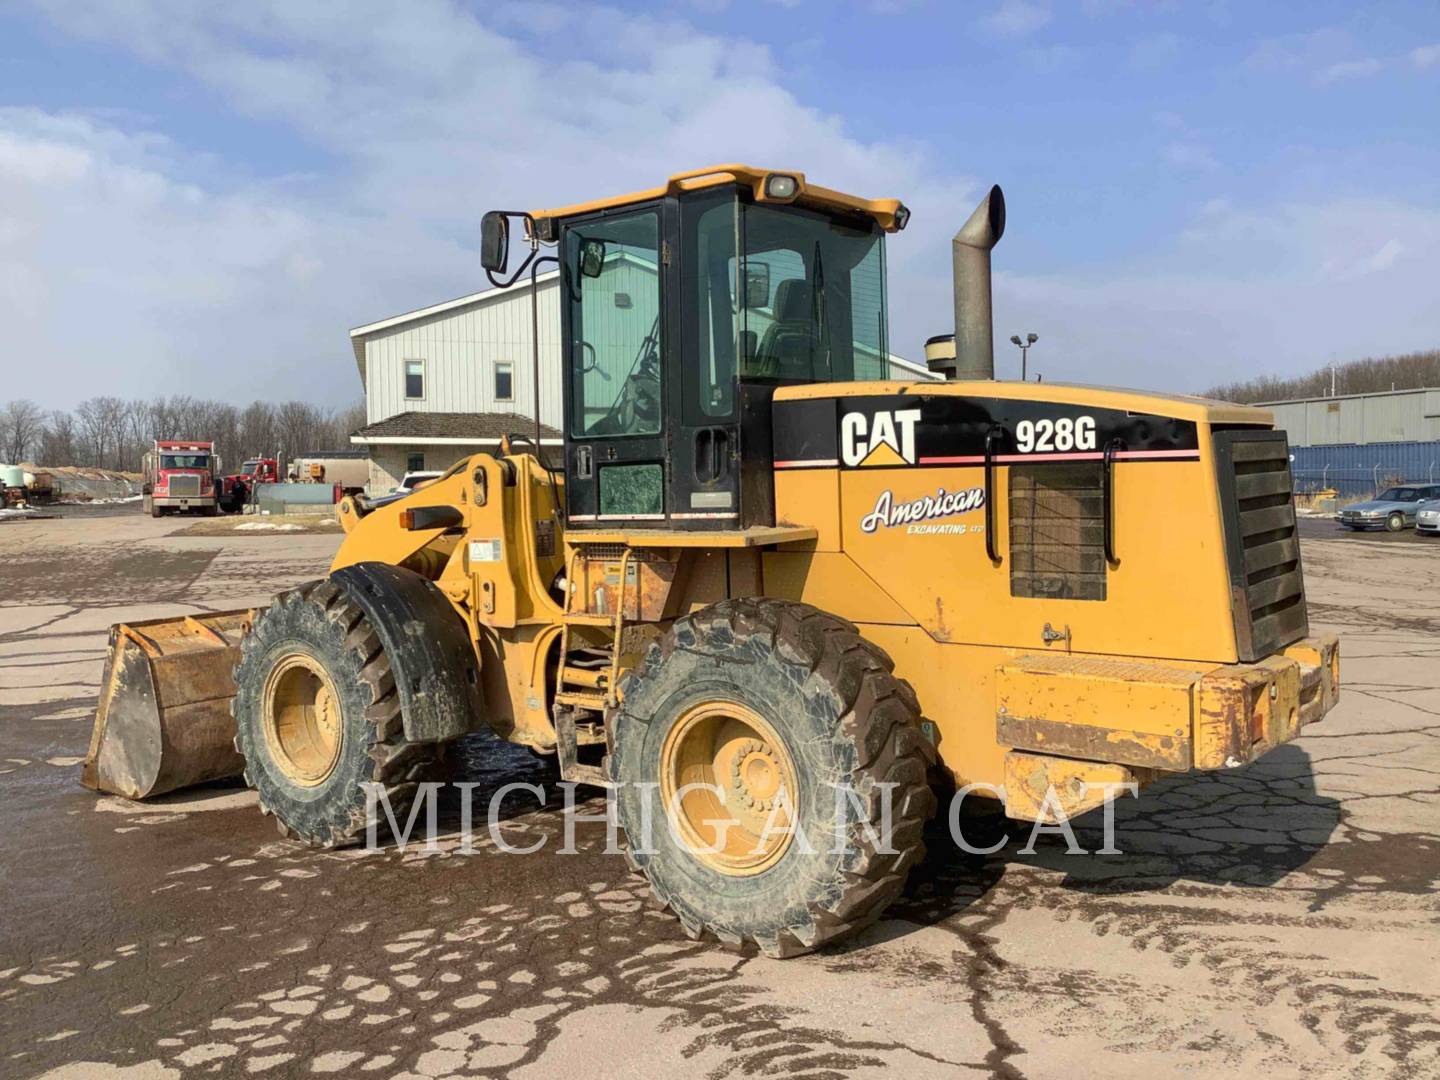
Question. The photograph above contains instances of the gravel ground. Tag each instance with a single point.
(1278, 920)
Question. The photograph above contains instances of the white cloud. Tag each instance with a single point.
(1328, 56)
(1383, 258)
(130, 265)
(1425, 56)
(1190, 157)
(121, 276)
(1307, 50)
(1243, 291)
(1017, 18)
(1350, 69)
(431, 117)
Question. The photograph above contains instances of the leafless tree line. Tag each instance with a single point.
(1371, 375)
(111, 433)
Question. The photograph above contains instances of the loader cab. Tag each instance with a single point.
(682, 311)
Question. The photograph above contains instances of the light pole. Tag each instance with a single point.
(1024, 346)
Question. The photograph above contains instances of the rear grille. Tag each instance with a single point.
(1262, 548)
(184, 484)
(1057, 537)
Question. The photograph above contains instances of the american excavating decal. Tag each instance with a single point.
(918, 512)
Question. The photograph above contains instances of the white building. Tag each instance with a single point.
(449, 380)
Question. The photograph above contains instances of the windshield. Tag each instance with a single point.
(184, 461)
(250, 467)
(813, 297)
(778, 293)
(1401, 494)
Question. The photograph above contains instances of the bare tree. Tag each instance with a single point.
(298, 425)
(102, 425)
(348, 421)
(57, 441)
(107, 432)
(1368, 376)
(20, 427)
(257, 430)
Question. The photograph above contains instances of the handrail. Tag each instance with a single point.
(990, 549)
(1107, 509)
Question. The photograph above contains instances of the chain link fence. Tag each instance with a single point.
(1360, 482)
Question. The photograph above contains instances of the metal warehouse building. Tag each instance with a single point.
(448, 381)
(1357, 443)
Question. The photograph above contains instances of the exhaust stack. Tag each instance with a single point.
(970, 254)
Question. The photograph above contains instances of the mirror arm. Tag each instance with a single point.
(495, 280)
(533, 235)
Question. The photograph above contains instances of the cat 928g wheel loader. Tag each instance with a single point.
(771, 593)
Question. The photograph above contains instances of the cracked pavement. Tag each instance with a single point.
(1280, 918)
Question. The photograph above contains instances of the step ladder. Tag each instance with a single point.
(585, 688)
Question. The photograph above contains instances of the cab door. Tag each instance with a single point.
(614, 319)
(703, 394)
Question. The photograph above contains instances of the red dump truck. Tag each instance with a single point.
(180, 475)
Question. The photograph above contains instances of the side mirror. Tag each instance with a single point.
(757, 285)
(592, 258)
(494, 241)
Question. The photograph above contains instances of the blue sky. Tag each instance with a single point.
(204, 198)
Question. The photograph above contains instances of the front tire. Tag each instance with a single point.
(750, 697)
(1395, 522)
(317, 715)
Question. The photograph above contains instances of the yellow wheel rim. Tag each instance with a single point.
(728, 787)
(302, 719)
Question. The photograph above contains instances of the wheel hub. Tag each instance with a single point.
(302, 719)
(755, 775)
(728, 785)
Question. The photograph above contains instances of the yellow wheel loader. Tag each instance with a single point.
(771, 594)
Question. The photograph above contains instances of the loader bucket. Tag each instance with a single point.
(163, 720)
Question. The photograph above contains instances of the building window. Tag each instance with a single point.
(414, 463)
(414, 378)
(504, 382)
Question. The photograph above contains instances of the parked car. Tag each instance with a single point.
(1427, 518)
(412, 480)
(1394, 508)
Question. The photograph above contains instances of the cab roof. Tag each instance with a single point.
(890, 214)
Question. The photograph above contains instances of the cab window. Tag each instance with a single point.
(611, 272)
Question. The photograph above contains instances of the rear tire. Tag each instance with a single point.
(770, 667)
(317, 715)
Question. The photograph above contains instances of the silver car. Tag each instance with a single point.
(1427, 518)
(1394, 508)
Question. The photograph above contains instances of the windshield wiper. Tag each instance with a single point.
(818, 311)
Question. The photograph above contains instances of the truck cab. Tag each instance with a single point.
(234, 490)
(180, 476)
